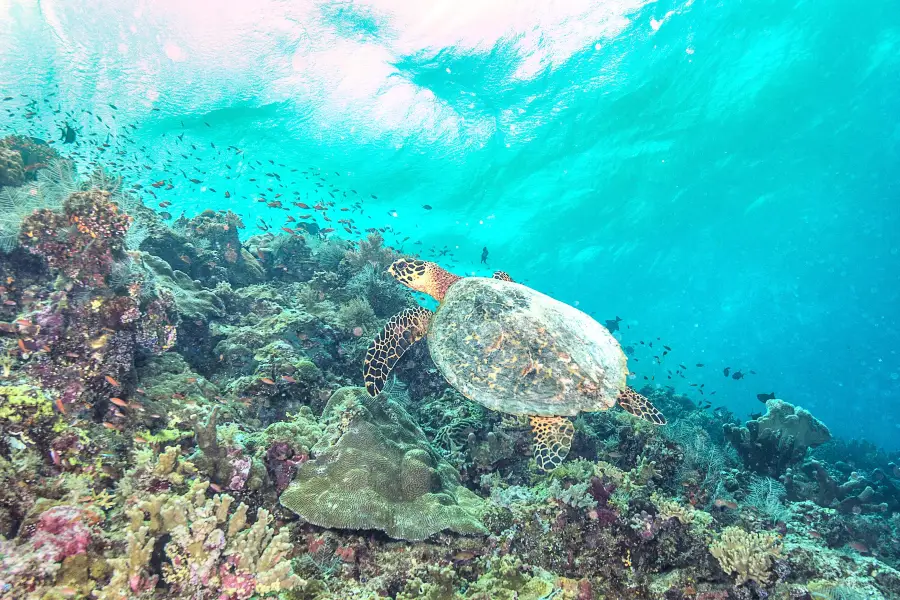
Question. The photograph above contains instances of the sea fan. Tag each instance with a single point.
(57, 181)
(15, 205)
(765, 496)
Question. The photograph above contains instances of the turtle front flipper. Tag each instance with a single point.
(552, 440)
(639, 406)
(502, 276)
(402, 331)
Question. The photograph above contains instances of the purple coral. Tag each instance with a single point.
(240, 471)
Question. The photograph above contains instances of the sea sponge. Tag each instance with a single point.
(746, 555)
(374, 469)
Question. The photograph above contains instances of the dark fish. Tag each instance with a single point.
(765, 397)
(68, 134)
(613, 325)
(426, 206)
(699, 364)
(726, 371)
(737, 375)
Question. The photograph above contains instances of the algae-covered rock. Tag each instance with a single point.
(374, 469)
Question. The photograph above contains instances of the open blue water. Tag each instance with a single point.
(721, 175)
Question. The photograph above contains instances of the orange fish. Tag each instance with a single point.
(267, 381)
(215, 487)
(300, 205)
(165, 204)
(722, 503)
(159, 183)
(192, 380)
(109, 425)
(60, 405)
(289, 379)
(139, 439)
(112, 381)
(119, 402)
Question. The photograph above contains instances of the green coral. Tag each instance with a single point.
(192, 300)
(374, 469)
(699, 521)
(301, 431)
(509, 579)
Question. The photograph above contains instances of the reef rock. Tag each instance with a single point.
(778, 439)
(374, 469)
(12, 170)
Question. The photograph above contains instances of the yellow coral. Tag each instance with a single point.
(686, 514)
(23, 404)
(746, 555)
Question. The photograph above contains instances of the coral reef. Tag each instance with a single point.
(778, 439)
(747, 556)
(178, 419)
(374, 469)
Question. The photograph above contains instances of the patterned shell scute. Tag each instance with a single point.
(518, 351)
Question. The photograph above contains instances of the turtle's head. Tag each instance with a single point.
(422, 276)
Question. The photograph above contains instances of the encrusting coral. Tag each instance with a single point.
(374, 469)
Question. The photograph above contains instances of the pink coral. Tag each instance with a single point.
(64, 531)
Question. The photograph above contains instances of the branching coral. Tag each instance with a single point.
(747, 556)
(212, 552)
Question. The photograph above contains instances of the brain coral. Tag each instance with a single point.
(374, 469)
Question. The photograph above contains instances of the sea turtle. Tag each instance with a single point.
(511, 349)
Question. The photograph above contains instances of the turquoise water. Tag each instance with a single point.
(721, 175)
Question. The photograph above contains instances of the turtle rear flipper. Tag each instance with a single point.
(639, 406)
(552, 440)
(402, 331)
